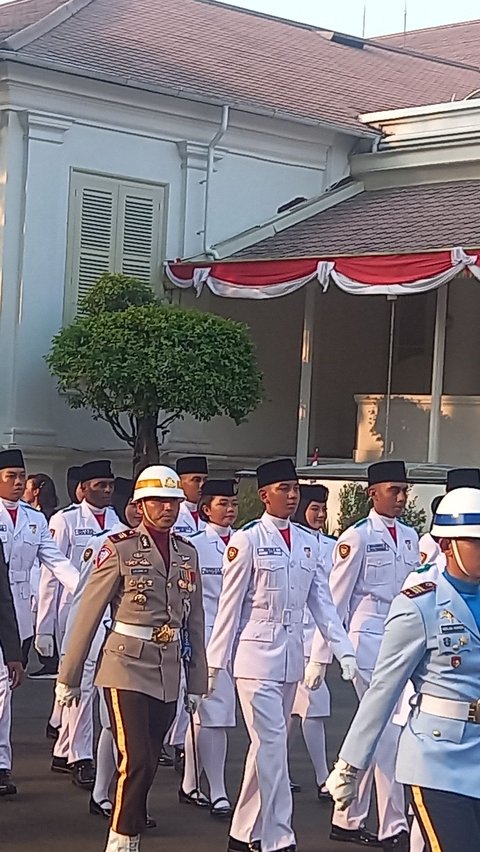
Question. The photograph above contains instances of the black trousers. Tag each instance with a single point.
(449, 822)
(139, 724)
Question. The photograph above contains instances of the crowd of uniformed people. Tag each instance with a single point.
(143, 593)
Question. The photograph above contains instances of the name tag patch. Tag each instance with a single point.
(377, 548)
(269, 551)
(84, 532)
(138, 570)
(452, 628)
(214, 572)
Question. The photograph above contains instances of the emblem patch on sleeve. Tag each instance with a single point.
(420, 589)
(344, 550)
(104, 554)
(87, 554)
(232, 553)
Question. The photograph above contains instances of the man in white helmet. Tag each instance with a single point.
(149, 575)
(432, 637)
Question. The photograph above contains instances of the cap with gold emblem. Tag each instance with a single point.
(158, 481)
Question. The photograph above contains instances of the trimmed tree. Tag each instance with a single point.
(355, 504)
(139, 365)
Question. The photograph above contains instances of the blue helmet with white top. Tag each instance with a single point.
(458, 515)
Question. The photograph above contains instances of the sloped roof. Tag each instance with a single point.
(23, 13)
(459, 42)
(202, 47)
(387, 221)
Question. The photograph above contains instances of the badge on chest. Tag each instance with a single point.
(269, 551)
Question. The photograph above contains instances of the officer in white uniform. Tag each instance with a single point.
(270, 573)
(432, 636)
(25, 538)
(218, 507)
(371, 561)
(72, 528)
(192, 472)
(313, 706)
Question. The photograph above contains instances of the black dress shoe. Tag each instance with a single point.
(51, 733)
(359, 836)
(239, 845)
(150, 822)
(103, 808)
(397, 843)
(221, 808)
(165, 759)
(195, 797)
(45, 673)
(7, 787)
(323, 795)
(179, 759)
(83, 774)
(60, 764)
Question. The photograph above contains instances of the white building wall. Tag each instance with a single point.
(261, 164)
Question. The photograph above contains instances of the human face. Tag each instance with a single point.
(30, 495)
(389, 498)
(469, 553)
(12, 483)
(192, 485)
(222, 511)
(160, 512)
(281, 499)
(98, 492)
(316, 515)
(133, 515)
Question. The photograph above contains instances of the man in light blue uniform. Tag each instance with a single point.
(432, 636)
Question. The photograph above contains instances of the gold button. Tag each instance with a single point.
(437, 733)
(121, 647)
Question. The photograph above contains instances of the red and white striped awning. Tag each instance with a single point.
(370, 275)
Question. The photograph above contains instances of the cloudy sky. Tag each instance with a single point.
(382, 16)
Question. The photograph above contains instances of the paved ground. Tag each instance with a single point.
(50, 815)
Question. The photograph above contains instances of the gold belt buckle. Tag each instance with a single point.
(163, 635)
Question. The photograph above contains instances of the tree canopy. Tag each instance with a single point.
(139, 364)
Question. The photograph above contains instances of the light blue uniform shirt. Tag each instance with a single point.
(433, 638)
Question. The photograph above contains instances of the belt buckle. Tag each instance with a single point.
(474, 712)
(163, 635)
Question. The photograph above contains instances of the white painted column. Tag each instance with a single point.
(438, 364)
(306, 367)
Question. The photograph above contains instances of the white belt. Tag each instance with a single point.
(159, 635)
(447, 708)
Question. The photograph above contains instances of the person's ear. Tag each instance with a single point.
(445, 545)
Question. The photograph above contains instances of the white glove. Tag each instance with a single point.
(342, 784)
(45, 645)
(349, 668)
(66, 695)
(212, 679)
(314, 674)
(192, 702)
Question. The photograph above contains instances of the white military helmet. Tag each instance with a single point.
(458, 515)
(158, 481)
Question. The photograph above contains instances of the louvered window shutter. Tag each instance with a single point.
(140, 213)
(114, 226)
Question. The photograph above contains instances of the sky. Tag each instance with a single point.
(382, 16)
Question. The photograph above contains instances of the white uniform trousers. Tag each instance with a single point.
(75, 741)
(5, 717)
(178, 729)
(390, 794)
(264, 807)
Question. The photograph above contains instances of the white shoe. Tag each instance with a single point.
(122, 842)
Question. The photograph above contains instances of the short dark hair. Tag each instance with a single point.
(47, 496)
(204, 501)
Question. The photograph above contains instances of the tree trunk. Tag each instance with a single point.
(145, 451)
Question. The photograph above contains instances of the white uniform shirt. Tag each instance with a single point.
(369, 570)
(186, 524)
(210, 549)
(23, 544)
(327, 547)
(72, 528)
(265, 588)
(89, 557)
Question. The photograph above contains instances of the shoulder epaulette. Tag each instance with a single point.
(360, 523)
(194, 535)
(249, 525)
(122, 536)
(304, 528)
(183, 539)
(331, 537)
(99, 534)
(422, 568)
(420, 589)
(69, 508)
